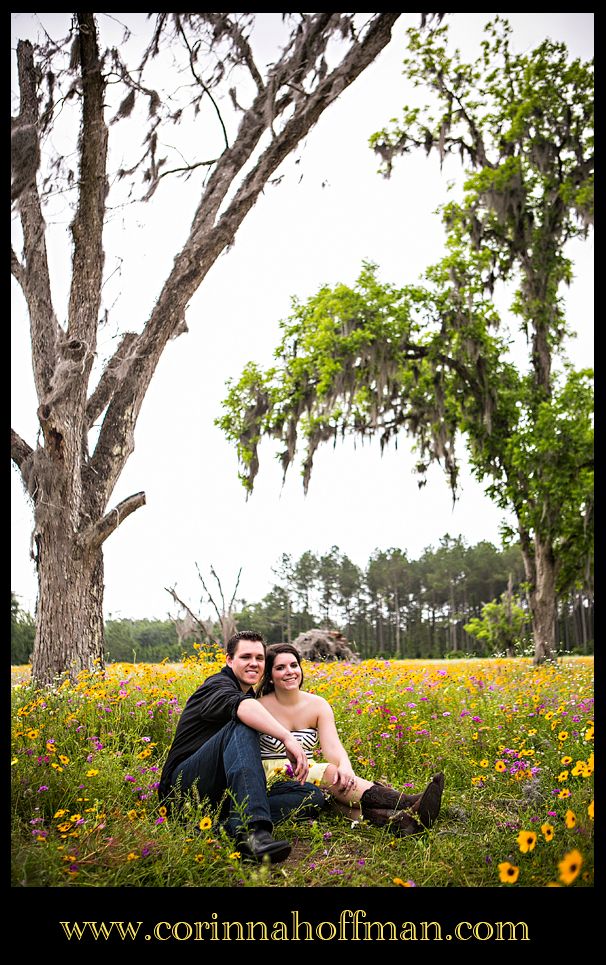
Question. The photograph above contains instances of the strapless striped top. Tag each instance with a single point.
(272, 747)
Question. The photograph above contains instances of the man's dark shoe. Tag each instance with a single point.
(259, 844)
(428, 808)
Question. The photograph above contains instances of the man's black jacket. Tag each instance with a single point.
(210, 707)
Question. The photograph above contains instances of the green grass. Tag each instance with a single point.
(86, 758)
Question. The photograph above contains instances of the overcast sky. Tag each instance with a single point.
(307, 231)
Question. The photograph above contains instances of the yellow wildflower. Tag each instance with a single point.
(508, 873)
(526, 841)
(569, 866)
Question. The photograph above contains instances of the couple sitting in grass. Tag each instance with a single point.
(260, 750)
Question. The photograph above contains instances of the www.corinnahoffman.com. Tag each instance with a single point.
(349, 926)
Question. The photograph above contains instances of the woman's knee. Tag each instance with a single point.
(316, 796)
(329, 775)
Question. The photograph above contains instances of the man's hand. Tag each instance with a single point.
(298, 758)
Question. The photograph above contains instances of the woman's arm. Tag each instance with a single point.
(253, 714)
(332, 748)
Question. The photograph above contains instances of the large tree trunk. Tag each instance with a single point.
(542, 569)
(69, 617)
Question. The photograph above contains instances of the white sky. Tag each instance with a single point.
(298, 236)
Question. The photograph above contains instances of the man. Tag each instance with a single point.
(216, 749)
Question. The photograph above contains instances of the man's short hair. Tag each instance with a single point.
(251, 635)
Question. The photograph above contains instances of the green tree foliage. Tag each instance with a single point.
(143, 641)
(432, 360)
(501, 626)
(23, 632)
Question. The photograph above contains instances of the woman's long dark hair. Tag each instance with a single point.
(267, 686)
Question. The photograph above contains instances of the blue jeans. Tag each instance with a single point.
(231, 761)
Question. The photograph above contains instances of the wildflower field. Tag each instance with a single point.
(515, 743)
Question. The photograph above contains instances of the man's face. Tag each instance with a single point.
(248, 663)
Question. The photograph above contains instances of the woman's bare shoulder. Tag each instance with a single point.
(267, 700)
(320, 704)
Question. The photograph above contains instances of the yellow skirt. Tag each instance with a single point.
(275, 769)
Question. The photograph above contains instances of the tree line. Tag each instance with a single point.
(394, 607)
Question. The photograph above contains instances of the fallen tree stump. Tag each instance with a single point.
(324, 645)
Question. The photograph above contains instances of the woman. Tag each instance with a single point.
(311, 719)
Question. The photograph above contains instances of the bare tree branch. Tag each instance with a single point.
(201, 82)
(87, 227)
(240, 42)
(212, 571)
(209, 594)
(34, 280)
(105, 387)
(231, 602)
(188, 167)
(180, 603)
(98, 533)
(18, 270)
(20, 450)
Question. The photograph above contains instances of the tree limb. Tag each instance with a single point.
(209, 594)
(180, 603)
(20, 450)
(18, 270)
(98, 533)
(201, 82)
(87, 227)
(240, 43)
(34, 278)
(107, 383)
(219, 585)
(231, 602)
(188, 167)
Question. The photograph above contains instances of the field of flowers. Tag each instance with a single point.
(514, 741)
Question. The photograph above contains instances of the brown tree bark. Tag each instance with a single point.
(540, 570)
(69, 616)
(543, 603)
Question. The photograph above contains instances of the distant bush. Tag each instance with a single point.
(23, 632)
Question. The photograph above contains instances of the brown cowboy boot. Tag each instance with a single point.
(428, 807)
(381, 796)
(399, 823)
